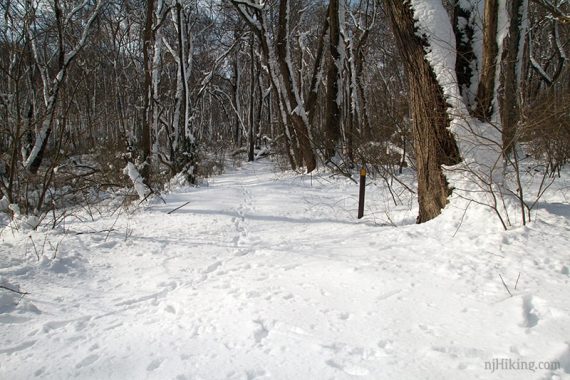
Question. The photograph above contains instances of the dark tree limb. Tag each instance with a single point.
(14, 290)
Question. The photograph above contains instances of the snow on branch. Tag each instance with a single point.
(433, 24)
(259, 5)
(207, 79)
(51, 91)
(480, 143)
(556, 12)
(536, 66)
(244, 8)
(142, 190)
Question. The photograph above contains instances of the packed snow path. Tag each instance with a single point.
(270, 276)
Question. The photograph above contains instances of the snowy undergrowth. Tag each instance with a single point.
(268, 275)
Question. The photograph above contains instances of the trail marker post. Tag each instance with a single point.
(361, 192)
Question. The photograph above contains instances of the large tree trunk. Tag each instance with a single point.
(434, 145)
(486, 90)
(295, 114)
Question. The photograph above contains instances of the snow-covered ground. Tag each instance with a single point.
(266, 275)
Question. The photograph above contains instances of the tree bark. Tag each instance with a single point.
(312, 98)
(464, 36)
(333, 114)
(148, 44)
(283, 57)
(486, 89)
(434, 144)
(252, 85)
(509, 79)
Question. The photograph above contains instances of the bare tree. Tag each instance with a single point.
(52, 87)
(277, 54)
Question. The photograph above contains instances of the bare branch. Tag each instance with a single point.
(13, 290)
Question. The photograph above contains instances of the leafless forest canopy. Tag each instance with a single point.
(175, 87)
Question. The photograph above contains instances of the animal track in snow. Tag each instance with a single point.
(153, 365)
(87, 361)
(348, 368)
(212, 267)
(261, 331)
(19, 347)
(345, 356)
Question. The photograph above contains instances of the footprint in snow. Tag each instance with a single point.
(87, 361)
(94, 347)
(153, 365)
(530, 315)
(169, 285)
(261, 331)
(106, 245)
(212, 267)
(40, 372)
(386, 345)
(349, 369)
(255, 374)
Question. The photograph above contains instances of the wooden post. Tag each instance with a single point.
(361, 193)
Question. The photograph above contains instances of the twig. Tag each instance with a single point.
(35, 249)
(505, 285)
(56, 247)
(146, 197)
(462, 217)
(517, 280)
(44, 245)
(112, 227)
(177, 208)
(341, 171)
(14, 290)
(94, 232)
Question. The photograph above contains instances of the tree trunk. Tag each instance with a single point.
(434, 145)
(359, 56)
(148, 44)
(486, 89)
(333, 114)
(312, 98)
(509, 79)
(236, 87)
(251, 134)
(464, 37)
(295, 114)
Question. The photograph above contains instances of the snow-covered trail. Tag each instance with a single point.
(265, 276)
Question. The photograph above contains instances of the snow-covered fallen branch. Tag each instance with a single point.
(142, 190)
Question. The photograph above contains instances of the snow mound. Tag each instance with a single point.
(12, 299)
